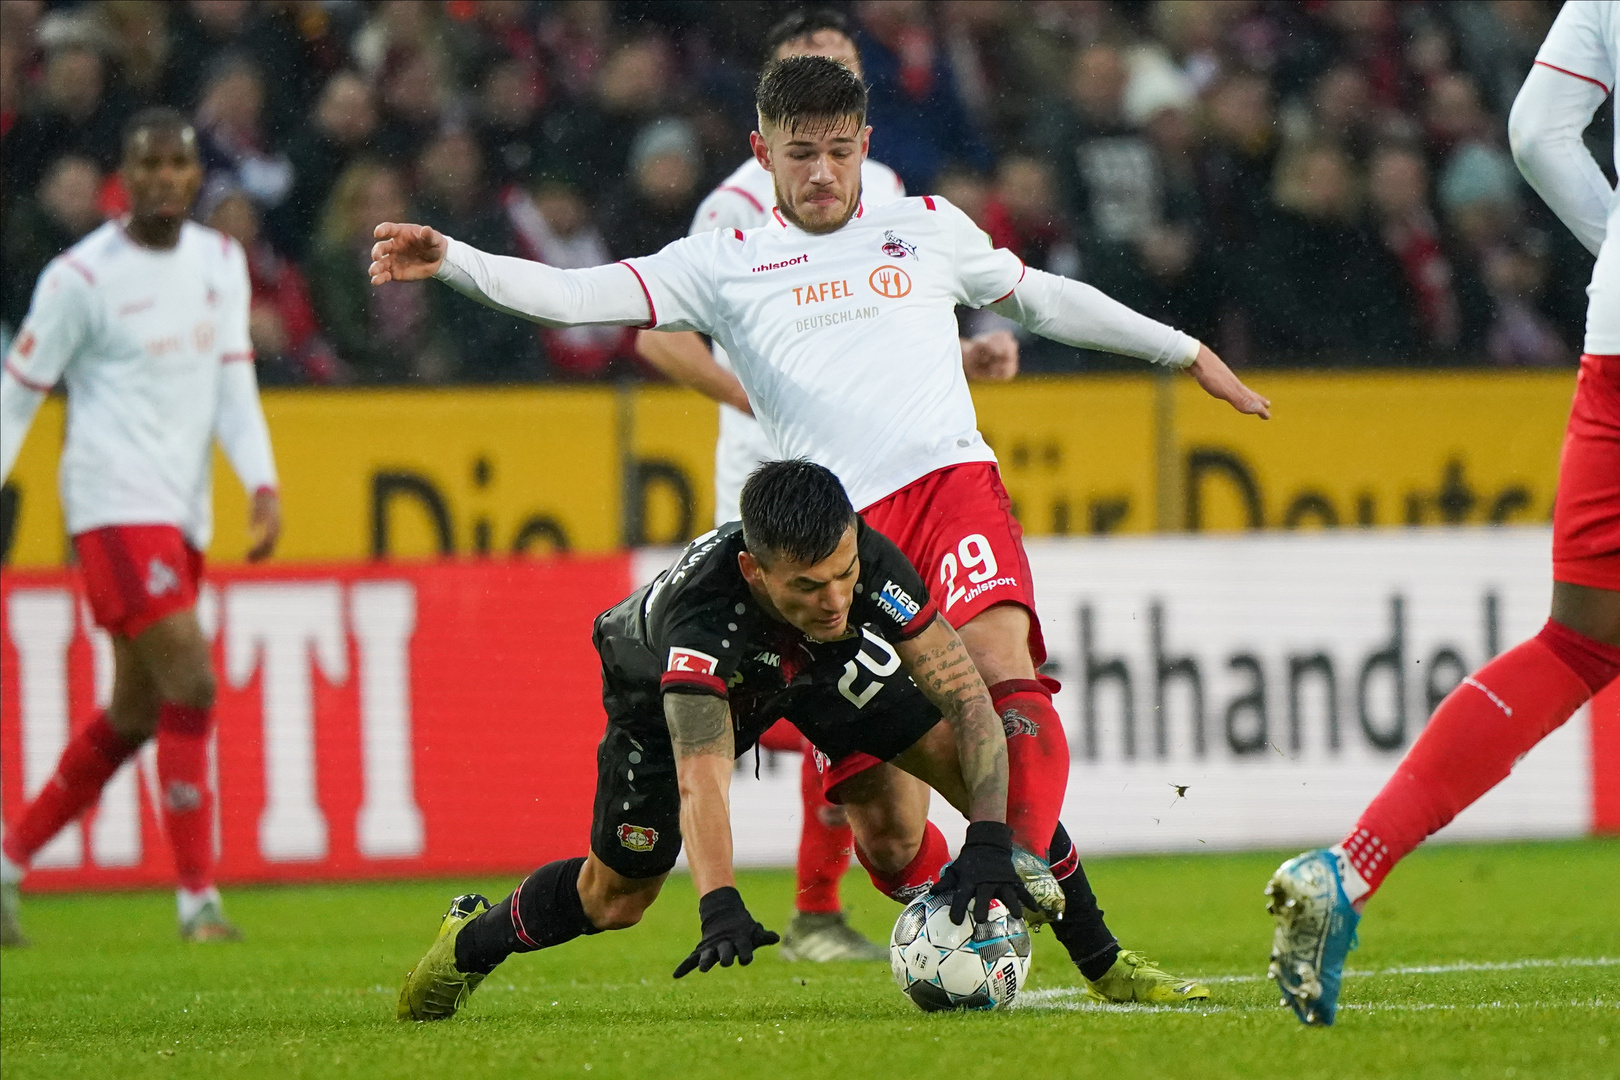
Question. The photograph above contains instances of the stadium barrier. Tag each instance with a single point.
(1218, 692)
(419, 474)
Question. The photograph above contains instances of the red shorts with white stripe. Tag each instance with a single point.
(956, 525)
(1586, 514)
(137, 574)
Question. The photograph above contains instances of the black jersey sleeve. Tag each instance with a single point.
(697, 625)
(894, 601)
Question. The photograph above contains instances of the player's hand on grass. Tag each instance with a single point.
(729, 933)
(1218, 381)
(982, 871)
(991, 357)
(264, 524)
(406, 252)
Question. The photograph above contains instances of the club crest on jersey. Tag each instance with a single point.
(638, 837)
(897, 603)
(692, 660)
(896, 248)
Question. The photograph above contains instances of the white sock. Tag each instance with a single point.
(189, 903)
(1355, 886)
(10, 873)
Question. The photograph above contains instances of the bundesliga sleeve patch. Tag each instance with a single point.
(691, 661)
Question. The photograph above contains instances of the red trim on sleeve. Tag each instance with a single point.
(652, 309)
(738, 234)
(928, 201)
(38, 387)
(921, 621)
(1574, 75)
(755, 203)
(234, 357)
(1024, 269)
(694, 680)
(71, 261)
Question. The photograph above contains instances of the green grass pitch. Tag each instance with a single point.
(1476, 961)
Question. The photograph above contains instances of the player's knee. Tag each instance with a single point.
(135, 721)
(192, 685)
(886, 854)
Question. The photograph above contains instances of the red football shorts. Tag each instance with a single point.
(1586, 513)
(956, 525)
(137, 574)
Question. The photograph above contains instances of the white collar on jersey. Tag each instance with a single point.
(776, 212)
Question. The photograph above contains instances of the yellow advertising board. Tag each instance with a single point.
(408, 474)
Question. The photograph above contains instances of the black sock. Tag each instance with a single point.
(543, 911)
(1082, 931)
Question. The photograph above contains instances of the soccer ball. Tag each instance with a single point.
(942, 966)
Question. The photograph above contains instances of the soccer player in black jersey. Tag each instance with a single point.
(799, 611)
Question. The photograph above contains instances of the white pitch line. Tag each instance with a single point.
(1209, 1010)
(1058, 993)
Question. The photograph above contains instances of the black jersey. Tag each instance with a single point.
(697, 628)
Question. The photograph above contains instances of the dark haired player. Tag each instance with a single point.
(1505, 708)
(841, 324)
(743, 201)
(799, 610)
(147, 320)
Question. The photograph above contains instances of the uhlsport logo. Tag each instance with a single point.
(890, 281)
(638, 837)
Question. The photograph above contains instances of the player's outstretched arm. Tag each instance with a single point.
(1078, 314)
(939, 664)
(683, 357)
(601, 295)
(700, 731)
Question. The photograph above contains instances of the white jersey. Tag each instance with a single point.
(744, 201)
(1584, 43)
(866, 315)
(155, 351)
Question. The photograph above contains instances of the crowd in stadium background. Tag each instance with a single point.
(1307, 184)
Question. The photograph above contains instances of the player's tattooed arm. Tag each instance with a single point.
(939, 664)
(700, 731)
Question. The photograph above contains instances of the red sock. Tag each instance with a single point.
(89, 760)
(920, 873)
(824, 849)
(1473, 739)
(1037, 761)
(182, 760)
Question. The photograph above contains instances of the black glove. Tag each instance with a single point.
(983, 870)
(729, 933)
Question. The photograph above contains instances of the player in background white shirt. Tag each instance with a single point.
(146, 320)
(1500, 712)
(819, 930)
(841, 324)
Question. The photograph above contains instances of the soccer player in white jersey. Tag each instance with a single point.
(819, 930)
(147, 321)
(1497, 714)
(841, 324)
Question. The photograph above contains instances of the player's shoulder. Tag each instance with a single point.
(212, 244)
(889, 583)
(1585, 41)
(879, 183)
(706, 572)
(86, 264)
(742, 200)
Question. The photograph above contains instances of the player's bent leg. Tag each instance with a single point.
(1494, 717)
(901, 850)
(177, 658)
(818, 931)
(92, 756)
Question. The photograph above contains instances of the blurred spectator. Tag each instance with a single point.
(416, 98)
(484, 345)
(340, 131)
(39, 229)
(511, 129)
(231, 134)
(554, 226)
(272, 35)
(573, 37)
(919, 124)
(287, 344)
(1318, 286)
(594, 137)
(1021, 214)
(654, 206)
(1498, 41)
(1240, 156)
(1398, 191)
(73, 112)
(1453, 116)
(140, 33)
(383, 333)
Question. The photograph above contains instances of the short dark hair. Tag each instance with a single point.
(804, 92)
(803, 23)
(794, 509)
(158, 118)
